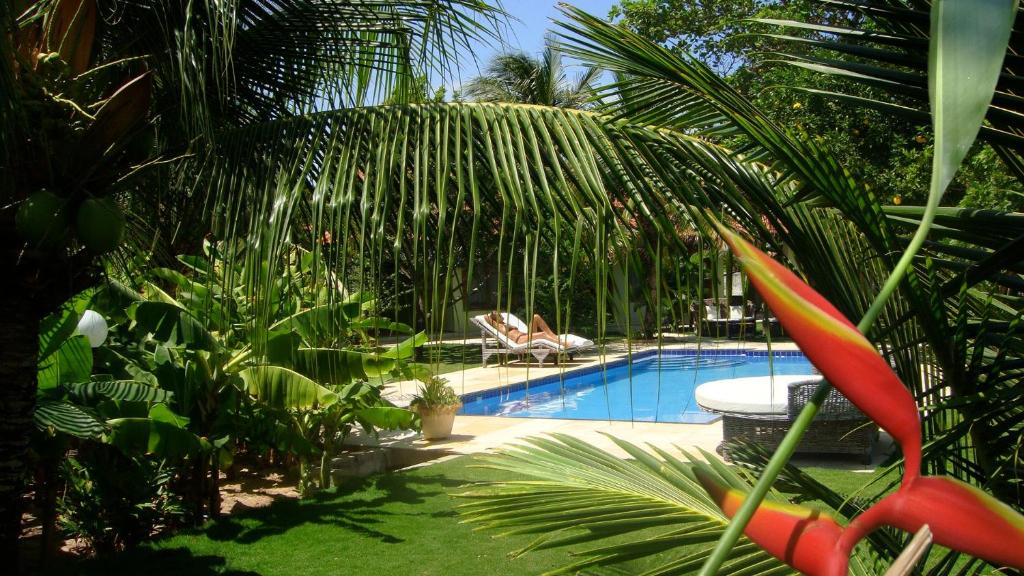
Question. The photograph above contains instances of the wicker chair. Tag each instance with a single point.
(839, 427)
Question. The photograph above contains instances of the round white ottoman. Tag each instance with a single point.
(752, 396)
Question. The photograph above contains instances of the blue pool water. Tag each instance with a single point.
(655, 388)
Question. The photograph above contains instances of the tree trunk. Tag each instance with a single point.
(19, 346)
(47, 486)
(213, 492)
(197, 490)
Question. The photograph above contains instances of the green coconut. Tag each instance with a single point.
(100, 225)
(42, 220)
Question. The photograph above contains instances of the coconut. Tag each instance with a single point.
(42, 220)
(100, 225)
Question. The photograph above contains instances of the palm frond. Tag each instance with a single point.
(576, 494)
(890, 51)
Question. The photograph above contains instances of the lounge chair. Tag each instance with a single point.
(540, 348)
(505, 345)
(571, 344)
(734, 324)
(761, 409)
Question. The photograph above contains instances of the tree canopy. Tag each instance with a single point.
(890, 153)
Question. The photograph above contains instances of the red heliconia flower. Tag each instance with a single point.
(959, 516)
(803, 538)
(845, 357)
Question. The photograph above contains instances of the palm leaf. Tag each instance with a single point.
(574, 494)
(897, 44)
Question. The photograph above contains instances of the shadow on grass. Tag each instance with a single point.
(356, 506)
(451, 354)
(170, 561)
(360, 506)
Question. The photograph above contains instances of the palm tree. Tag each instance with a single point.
(124, 104)
(527, 80)
(272, 127)
(965, 376)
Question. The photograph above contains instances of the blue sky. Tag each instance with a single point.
(531, 20)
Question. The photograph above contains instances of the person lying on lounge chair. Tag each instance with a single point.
(538, 328)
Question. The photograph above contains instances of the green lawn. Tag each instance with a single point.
(400, 523)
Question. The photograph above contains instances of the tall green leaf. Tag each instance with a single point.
(71, 363)
(339, 367)
(59, 326)
(285, 389)
(147, 436)
(319, 321)
(163, 413)
(406, 348)
(173, 325)
(968, 43)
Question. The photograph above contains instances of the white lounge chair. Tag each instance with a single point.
(540, 348)
(503, 345)
(733, 325)
(573, 344)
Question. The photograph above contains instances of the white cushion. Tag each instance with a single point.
(504, 340)
(513, 321)
(735, 312)
(755, 395)
(574, 341)
(712, 312)
(571, 340)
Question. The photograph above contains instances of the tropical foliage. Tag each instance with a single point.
(178, 391)
(839, 237)
(526, 80)
(774, 53)
(435, 392)
(266, 131)
(125, 103)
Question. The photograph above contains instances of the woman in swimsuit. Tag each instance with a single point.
(538, 327)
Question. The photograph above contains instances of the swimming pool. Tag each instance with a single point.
(660, 390)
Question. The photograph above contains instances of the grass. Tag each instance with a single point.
(447, 358)
(399, 523)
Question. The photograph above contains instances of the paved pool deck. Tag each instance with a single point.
(516, 371)
(476, 434)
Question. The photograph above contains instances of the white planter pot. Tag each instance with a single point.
(437, 421)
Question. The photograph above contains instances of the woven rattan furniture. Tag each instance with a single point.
(759, 415)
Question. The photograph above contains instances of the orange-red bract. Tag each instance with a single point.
(959, 516)
(845, 357)
(801, 537)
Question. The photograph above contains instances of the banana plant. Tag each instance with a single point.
(316, 370)
(77, 404)
(326, 392)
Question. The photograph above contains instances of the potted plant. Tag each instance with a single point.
(436, 404)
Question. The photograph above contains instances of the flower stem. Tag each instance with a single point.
(792, 439)
(764, 483)
(894, 279)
